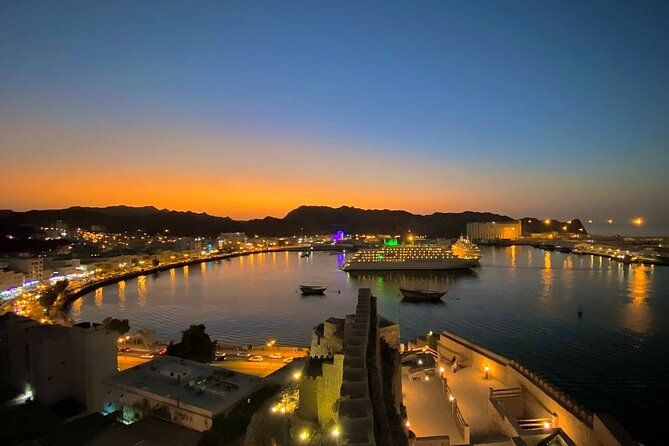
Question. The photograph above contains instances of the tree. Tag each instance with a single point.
(195, 345)
(48, 297)
(120, 325)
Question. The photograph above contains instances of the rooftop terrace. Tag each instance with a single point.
(187, 382)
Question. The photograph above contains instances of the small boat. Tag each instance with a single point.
(422, 295)
(305, 254)
(563, 248)
(308, 290)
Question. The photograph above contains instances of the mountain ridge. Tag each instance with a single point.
(303, 219)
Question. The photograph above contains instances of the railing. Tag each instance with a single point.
(534, 423)
(460, 422)
(513, 392)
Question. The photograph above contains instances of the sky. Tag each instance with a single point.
(252, 108)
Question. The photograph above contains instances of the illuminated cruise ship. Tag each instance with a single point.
(463, 254)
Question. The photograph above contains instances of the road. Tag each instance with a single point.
(232, 361)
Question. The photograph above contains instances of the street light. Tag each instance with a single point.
(487, 370)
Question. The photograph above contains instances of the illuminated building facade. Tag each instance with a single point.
(494, 230)
(52, 362)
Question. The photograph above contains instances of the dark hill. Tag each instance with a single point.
(307, 219)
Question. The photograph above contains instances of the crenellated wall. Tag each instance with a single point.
(356, 415)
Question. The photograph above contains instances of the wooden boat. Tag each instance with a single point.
(308, 290)
(422, 295)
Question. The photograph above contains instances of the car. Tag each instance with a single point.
(124, 349)
(162, 351)
(243, 354)
(147, 356)
(287, 360)
(256, 358)
(219, 358)
(276, 355)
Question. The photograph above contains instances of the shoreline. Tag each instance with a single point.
(69, 298)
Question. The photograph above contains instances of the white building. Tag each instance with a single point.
(31, 267)
(10, 279)
(52, 362)
(508, 230)
(231, 239)
(183, 392)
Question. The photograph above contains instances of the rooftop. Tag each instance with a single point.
(199, 385)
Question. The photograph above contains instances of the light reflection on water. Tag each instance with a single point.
(521, 303)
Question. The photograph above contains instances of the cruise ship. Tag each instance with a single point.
(462, 254)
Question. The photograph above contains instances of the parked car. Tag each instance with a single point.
(220, 357)
(124, 349)
(147, 356)
(256, 358)
(288, 360)
(276, 355)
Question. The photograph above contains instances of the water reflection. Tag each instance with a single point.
(547, 276)
(121, 295)
(638, 315)
(98, 297)
(141, 291)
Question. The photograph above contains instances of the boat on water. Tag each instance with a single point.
(462, 254)
(309, 290)
(305, 254)
(422, 295)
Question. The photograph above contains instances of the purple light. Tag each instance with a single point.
(338, 236)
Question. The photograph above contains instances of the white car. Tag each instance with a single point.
(147, 356)
(256, 358)
(276, 356)
(288, 360)
(243, 355)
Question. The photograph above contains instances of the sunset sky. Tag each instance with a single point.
(249, 109)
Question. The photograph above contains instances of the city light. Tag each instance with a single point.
(297, 375)
(335, 432)
(547, 425)
(304, 435)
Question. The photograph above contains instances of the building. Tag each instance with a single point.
(320, 387)
(31, 267)
(51, 362)
(185, 393)
(231, 239)
(494, 230)
(10, 279)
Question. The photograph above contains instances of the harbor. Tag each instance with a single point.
(541, 294)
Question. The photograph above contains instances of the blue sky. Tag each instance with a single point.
(532, 108)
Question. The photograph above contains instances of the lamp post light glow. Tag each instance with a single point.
(335, 432)
(487, 371)
(297, 375)
(451, 398)
(304, 435)
(547, 425)
(638, 221)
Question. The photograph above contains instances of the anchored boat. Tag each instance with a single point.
(312, 290)
(422, 295)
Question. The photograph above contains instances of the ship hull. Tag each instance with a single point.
(411, 265)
